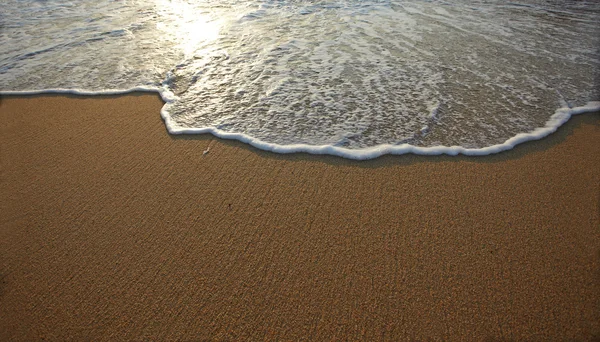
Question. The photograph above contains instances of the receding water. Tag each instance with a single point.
(320, 76)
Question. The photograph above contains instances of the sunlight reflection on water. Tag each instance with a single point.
(189, 27)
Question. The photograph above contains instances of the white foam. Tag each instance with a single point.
(560, 117)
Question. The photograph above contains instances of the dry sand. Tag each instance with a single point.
(112, 229)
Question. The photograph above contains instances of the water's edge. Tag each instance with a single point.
(560, 117)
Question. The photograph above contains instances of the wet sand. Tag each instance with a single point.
(112, 229)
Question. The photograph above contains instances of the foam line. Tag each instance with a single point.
(560, 117)
(80, 91)
(166, 95)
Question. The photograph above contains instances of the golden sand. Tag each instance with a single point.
(112, 229)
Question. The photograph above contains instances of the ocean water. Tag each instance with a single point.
(352, 78)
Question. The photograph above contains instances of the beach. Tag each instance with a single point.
(113, 229)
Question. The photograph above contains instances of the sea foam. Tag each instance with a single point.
(560, 117)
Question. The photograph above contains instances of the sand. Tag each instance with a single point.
(112, 229)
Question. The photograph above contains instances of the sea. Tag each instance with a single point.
(357, 79)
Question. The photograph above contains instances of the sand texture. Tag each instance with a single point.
(112, 229)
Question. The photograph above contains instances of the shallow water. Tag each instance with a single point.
(333, 75)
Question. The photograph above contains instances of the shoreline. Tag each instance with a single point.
(113, 229)
(555, 121)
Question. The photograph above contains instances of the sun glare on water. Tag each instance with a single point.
(189, 28)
